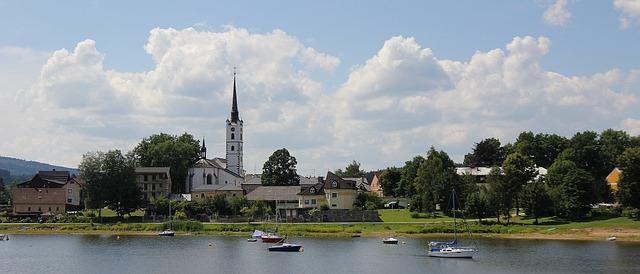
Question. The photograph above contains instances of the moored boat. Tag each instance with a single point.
(167, 232)
(271, 238)
(451, 249)
(4, 237)
(390, 240)
(286, 247)
(611, 238)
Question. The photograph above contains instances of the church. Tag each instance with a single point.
(208, 177)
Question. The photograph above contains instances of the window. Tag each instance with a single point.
(39, 209)
(145, 178)
(153, 194)
(334, 184)
(160, 186)
(234, 195)
(202, 195)
(153, 186)
(70, 191)
(232, 148)
(28, 208)
(153, 177)
(209, 179)
(312, 190)
(233, 136)
(334, 195)
(306, 202)
(233, 129)
(334, 205)
(225, 182)
(313, 201)
(145, 186)
(69, 201)
(57, 208)
(240, 136)
(49, 209)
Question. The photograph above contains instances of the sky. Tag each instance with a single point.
(332, 81)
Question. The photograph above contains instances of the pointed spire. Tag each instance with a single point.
(234, 108)
(203, 150)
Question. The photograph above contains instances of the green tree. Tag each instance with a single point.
(572, 189)
(543, 149)
(612, 144)
(406, 185)
(586, 153)
(435, 179)
(629, 187)
(477, 204)
(4, 195)
(177, 152)
(111, 181)
(498, 195)
(536, 200)
(487, 152)
(389, 180)
(280, 169)
(368, 200)
(351, 171)
(221, 204)
(518, 170)
(236, 203)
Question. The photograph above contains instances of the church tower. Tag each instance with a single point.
(234, 136)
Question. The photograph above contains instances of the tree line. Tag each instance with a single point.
(577, 168)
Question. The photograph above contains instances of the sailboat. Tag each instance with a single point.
(450, 249)
(272, 237)
(168, 232)
(282, 245)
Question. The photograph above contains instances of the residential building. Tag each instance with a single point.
(154, 182)
(614, 178)
(312, 197)
(340, 193)
(374, 183)
(47, 193)
(481, 173)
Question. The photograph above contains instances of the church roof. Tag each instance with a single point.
(207, 163)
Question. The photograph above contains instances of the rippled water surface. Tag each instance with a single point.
(192, 254)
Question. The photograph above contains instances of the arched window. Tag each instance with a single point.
(209, 179)
(202, 195)
(233, 148)
(233, 136)
(225, 182)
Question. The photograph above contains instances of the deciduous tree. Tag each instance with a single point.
(280, 169)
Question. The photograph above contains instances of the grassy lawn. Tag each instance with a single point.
(403, 215)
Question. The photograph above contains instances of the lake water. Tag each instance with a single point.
(192, 254)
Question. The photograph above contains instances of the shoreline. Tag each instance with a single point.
(315, 231)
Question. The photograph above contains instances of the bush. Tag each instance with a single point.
(631, 213)
(180, 215)
(606, 211)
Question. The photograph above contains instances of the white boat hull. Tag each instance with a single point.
(455, 253)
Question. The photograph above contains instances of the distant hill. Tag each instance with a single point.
(22, 170)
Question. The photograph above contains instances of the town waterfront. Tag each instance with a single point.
(192, 254)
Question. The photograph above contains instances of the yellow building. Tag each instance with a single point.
(614, 178)
(339, 193)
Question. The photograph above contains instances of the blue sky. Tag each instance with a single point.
(583, 55)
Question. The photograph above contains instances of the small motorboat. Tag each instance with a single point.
(390, 240)
(252, 240)
(611, 238)
(286, 247)
(167, 233)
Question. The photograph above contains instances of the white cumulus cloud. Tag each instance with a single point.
(630, 12)
(557, 13)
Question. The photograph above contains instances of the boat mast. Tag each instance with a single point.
(453, 196)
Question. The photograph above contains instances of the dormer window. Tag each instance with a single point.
(334, 184)
(312, 190)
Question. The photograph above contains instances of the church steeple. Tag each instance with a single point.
(203, 150)
(234, 108)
